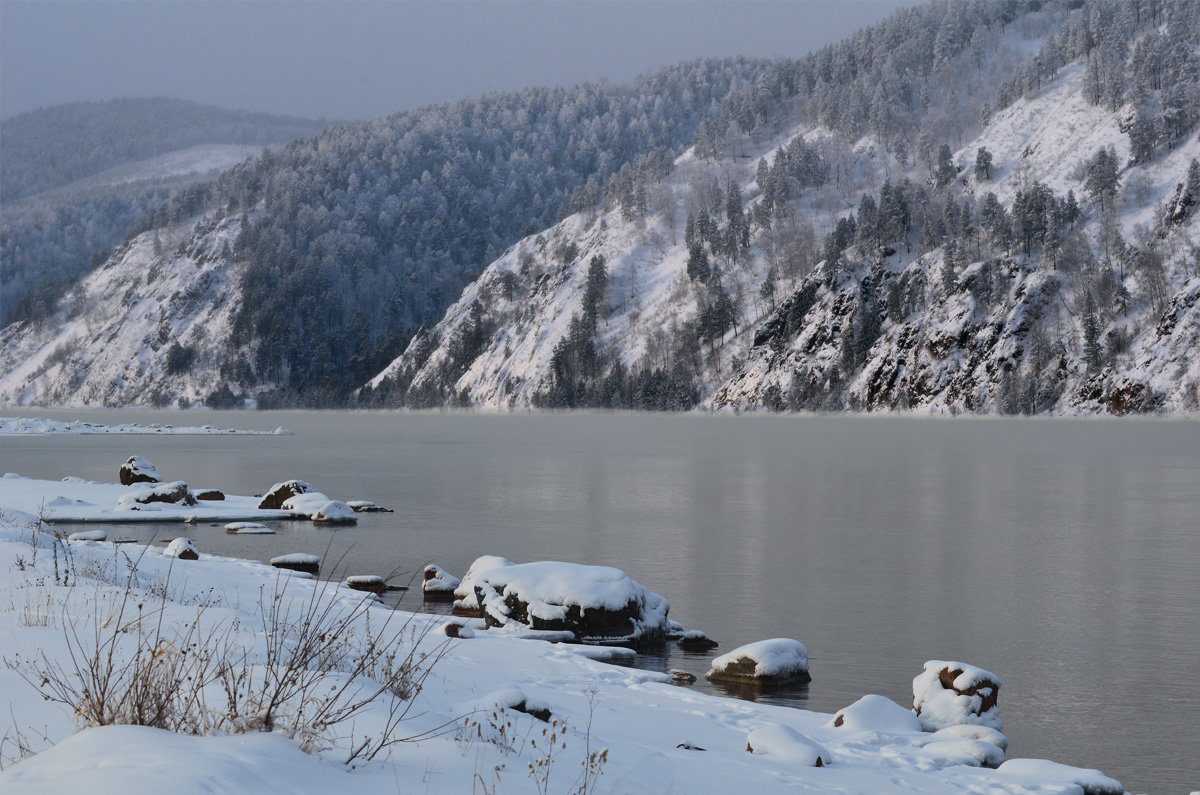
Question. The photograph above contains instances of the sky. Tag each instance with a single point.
(358, 60)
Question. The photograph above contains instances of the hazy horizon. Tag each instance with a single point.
(359, 60)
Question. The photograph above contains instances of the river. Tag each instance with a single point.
(1064, 555)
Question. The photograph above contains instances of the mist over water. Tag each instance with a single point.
(1060, 554)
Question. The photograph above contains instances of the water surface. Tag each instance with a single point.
(1064, 555)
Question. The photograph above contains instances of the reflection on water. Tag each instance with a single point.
(1063, 555)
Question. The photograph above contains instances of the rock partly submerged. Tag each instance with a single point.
(438, 585)
(280, 493)
(465, 602)
(775, 661)
(298, 561)
(138, 470)
(594, 603)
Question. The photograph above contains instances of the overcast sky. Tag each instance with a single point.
(354, 60)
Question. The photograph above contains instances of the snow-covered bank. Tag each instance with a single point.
(652, 731)
(76, 500)
(21, 425)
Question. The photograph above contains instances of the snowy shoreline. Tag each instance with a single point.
(13, 426)
(468, 715)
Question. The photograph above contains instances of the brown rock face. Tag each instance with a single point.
(210, 495)
(282, 492)
(177, 492)
(988, 689)
(138, 470)
(589, 623)
(697, 644)
(188, 554)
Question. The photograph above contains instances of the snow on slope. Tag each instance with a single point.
(196, 161)
(108, 341)
(958, 352)
(530, 294)
(950, 352)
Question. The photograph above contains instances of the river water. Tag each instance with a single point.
(1064, 555)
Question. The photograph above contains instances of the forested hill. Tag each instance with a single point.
(974, 207)
(52, 147)
(354, 238)
(74, 178)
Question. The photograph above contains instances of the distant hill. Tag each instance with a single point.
(53, 147)
(73, 178)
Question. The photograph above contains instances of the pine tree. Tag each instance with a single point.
(983, 164)
(945, 173)
(1091, 335)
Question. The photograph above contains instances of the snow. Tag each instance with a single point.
(1042, 771)
(117, 760)
(465, 592)
(10, 426)
(966, 752)
(877, 714)
(461, 723)
(776, 658)
(786, 744)
(76, 501)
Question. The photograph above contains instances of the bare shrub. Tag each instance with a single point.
(314, 666)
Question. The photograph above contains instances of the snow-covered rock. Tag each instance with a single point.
(176, 492)
(88, 535)
(372, 583)
(773, 661)
(465, 602)
(335, 512)
(696, 640)
(948, 693)
(786, 744)
(182, 548)
(305, 504)
(438, 584)
(877, 714)
(298, 561)
(280, 493)
(592, 602)
(138, 470)
(366, 506)
(248, 528)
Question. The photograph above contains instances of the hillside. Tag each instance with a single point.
(53, 147)
(146, 327)
(1061, 276)
(75, 178)
(355, 238)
